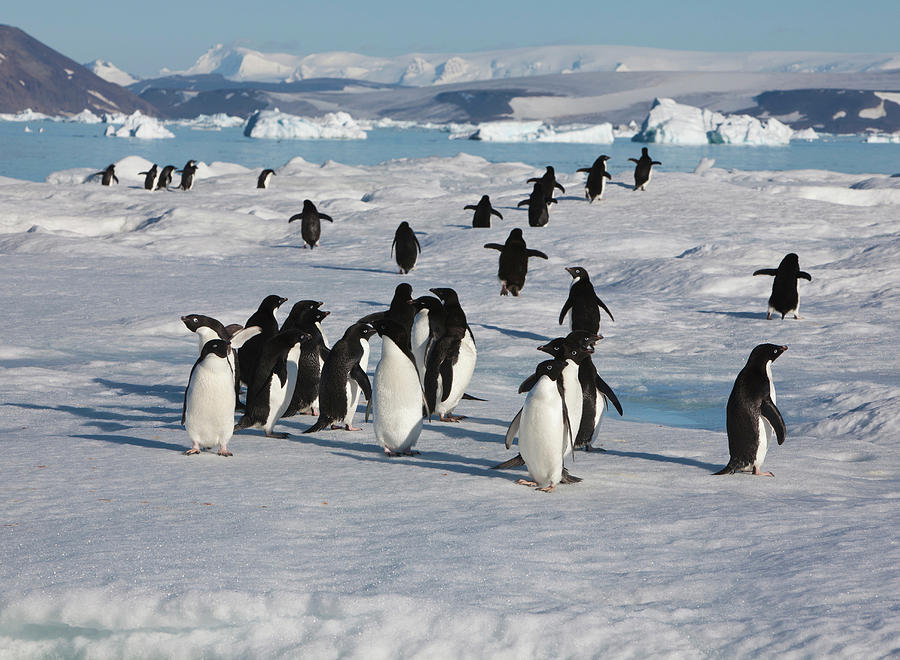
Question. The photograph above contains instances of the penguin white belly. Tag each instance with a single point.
(599, 408)
(209, 413)
(462, 376)
(419, 336)
(574, 400)
(353, 389)
(396, 400)
(280, 395)
(764, 436)
(541, 440)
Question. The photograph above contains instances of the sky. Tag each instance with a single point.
(174, 36)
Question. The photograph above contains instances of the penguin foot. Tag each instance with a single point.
(769, 316)
(278, 436)
(451, 418)
(525, 482)
(192, 451)
(408, 452)
(503, 291)
(225, 452)
(345, 427)
(757, 473)
(548, 489)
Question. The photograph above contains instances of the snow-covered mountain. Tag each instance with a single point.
(420, 69)
(110, 72)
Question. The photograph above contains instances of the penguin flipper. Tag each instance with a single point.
(772, 415)
(557, 184)
(418, 245)
(357, 374)
(766, 271)
(512, 431)
(469, 397)
(567, 425)
(493, 246)
(803, 275)
(655, 162)
(535, 253)
(603, 306)
(566, 307)
(529, 383)
(633, 160)
(584, 169)
(241, 336)
(497, 213)
(533, 179)
(608, 175)
(323, 216)
(569, 478)
(446, 379)
(393, 243)
(515, 461)
(606, 391)
(298, 216)
(524, 202)
(470, 207)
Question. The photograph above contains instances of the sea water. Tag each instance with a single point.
(49, 146)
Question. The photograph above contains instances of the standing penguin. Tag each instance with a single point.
(264, 178)
(400, 309)
(785, 299)
(751, 416)
(264, 318)
(547, 182)
(483, 212)
(596, 397)
(538, 207)
(310, 223)
(150, 177)
(451, 360)
(208, 328)
(544, 428)
(343, 376)
(306, 316)
(408, 247)
(643, 169)
(596, 181)
(514, 256)
(208, 410)
(397, 398)
(269, 394)
(428, 326)
(165, 178)
(108, 175)
(584, 303)
(187, 175)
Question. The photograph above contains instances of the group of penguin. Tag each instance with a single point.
(154, 178)
(428, 357)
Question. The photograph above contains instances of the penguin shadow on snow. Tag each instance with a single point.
(737, 315)
(107, 420)
(621, 184)
(661, 458)
(434, 461)
(518, 334)
(172, 393)
(137, 442)
(355, 269)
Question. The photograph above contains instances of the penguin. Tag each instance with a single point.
(538, 207)
(306, 316)
(400, 310)
(544, 428)
(451, 360)
(269, 394)
(596, 181)
(583, 302)
(596, 395)
(514, 256)
(150, 177)
(108, 175)
(408, 247)
(785, 299)
(264, 318)
(208, 328)
(264, 178)
(397, 397)
(165, 178)
(187, 175)
(208, 411)
(310, 225)
(483, 212)
(343, 369)
(643, 169)
(751, 416)
(428, 326)
(548, 182)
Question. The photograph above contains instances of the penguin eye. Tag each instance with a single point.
(548, 367)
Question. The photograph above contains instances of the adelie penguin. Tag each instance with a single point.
(343, 378)
(165, 178)
(583, 303)
(597, 395)
(483, 212)
(596, 181)
(451, 361)
(397, 398)
(306, 316)
(310, 223)
(514, 255)
(751, 416)
(187, 173)
(547, 182)
(151, 176)
(544, 428)
(207, 328)
(107, 176)
(264, 318)
(407, 247)
(538, 207)
(264, 178)
(269, 394)
(400, 309)
(208, 411)
(427, 328)
(785, 298)
(643, 169)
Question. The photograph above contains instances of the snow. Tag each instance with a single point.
(114, 544)
(538, 131)
(139, 126)
(110, 72)
(670, 122)
(883, 138)
(276, 125)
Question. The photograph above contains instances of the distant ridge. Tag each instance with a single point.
(35, 76)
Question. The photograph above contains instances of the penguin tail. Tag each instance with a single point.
(569, 478)
(469, 397)
(243, 423)
(731, 468)
(515, 461)
(320, 424)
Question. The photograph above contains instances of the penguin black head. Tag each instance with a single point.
(577, 272)
(765, 353)
(423, 302)
(550, 170)
(790, 262)
(308, 205)
(515, 235)
(402, 292)
(553, 369)
(403, 225)
(272, 302)
(485, 199)
(216, 347)
(386, 327)
(194, 321)
(644, 151)
(585, 340)
(560, 349)
(319, 314)
(446, 294)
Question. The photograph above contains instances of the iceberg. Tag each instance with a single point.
(140, 126)
(538, 131)
(84, 117)
(670, 122)
(277, 125)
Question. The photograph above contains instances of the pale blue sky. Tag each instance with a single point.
(143, 37)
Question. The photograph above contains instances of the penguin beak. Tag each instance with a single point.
(571, 271)
(282, 301)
